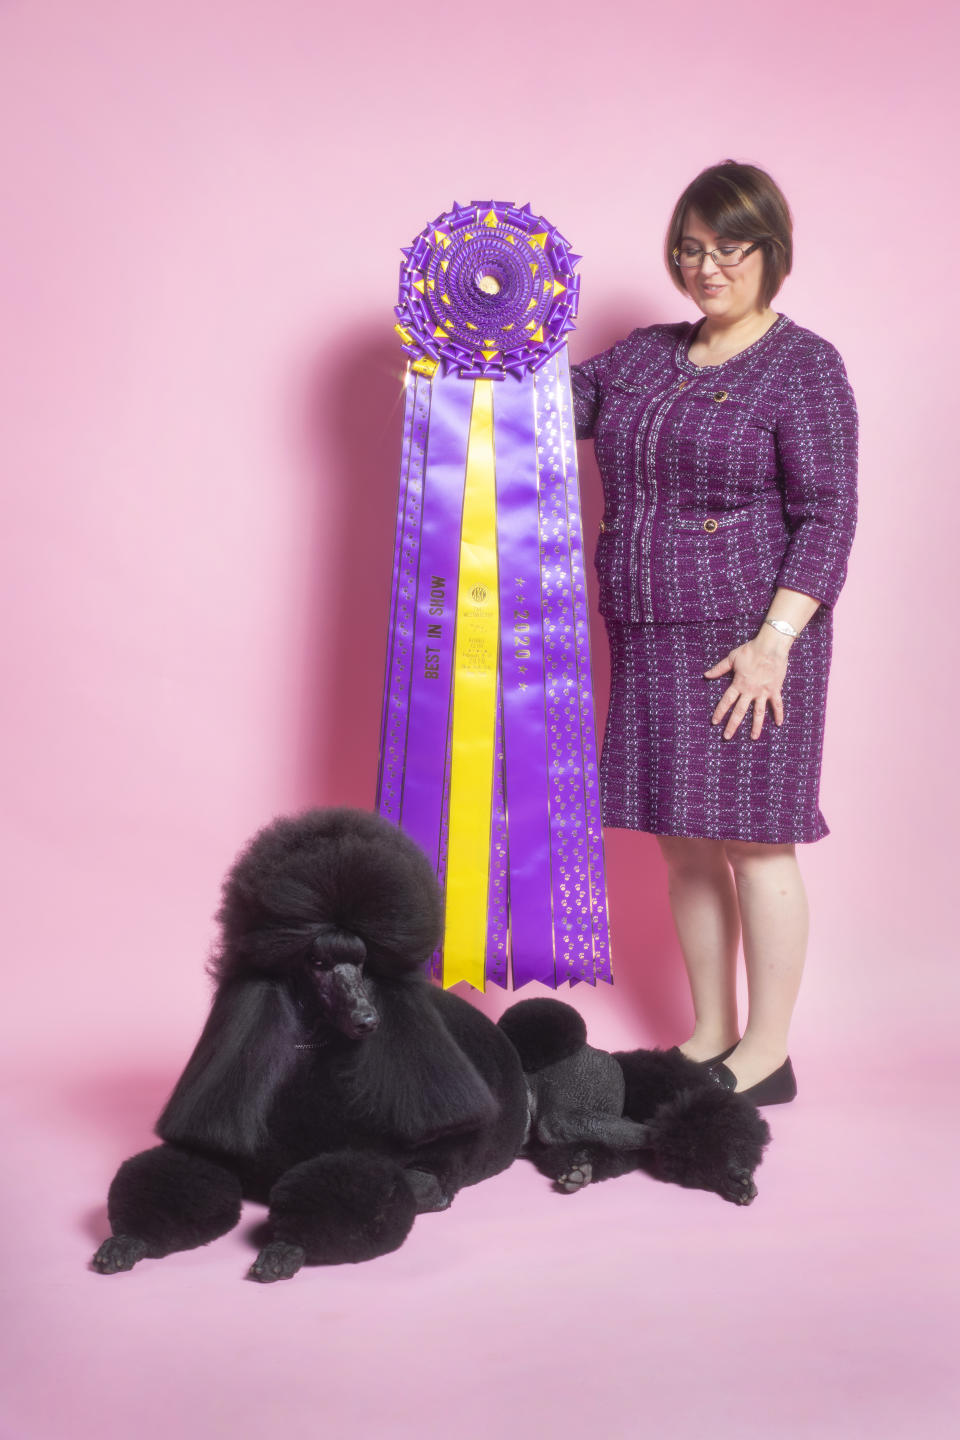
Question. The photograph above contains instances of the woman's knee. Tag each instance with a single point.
(687, 854)
(750, 856)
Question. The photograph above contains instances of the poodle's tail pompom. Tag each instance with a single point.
(543, 1032)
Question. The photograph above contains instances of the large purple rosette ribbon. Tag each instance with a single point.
(488, 743)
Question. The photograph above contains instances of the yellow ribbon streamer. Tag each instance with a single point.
(476, 658)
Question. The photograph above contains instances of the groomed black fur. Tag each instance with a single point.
(597, 1116)
(700, 1140)
(337, 869)
(330, 1076)
(543, 1031)
(246, 1051)
(654, 1077)
(410, 1078)
(173, 1200)
(343, 1207)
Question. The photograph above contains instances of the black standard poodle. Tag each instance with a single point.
(595, 1115)
(332, 1081)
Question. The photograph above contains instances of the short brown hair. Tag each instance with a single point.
(739, 202)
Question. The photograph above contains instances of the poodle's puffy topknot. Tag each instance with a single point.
(543, 1032)
(329, 870)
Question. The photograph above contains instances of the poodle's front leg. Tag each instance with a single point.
(573, 1166)
(337, 1208)
(575, 1149)
(428, 1191)
(164, 1200)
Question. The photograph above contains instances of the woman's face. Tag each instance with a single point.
(722, 292)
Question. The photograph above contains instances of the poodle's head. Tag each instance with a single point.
(326, 901)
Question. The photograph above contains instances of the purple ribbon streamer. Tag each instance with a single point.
(396, 698)
(559, 662)
(498, 935)
(435, 963)
(428, 718)
(596, 899)
(579, 910)
(522, 670)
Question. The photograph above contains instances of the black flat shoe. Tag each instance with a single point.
(777, 1088)
(715, 1060)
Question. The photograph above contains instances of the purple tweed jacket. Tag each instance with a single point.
(720, 483)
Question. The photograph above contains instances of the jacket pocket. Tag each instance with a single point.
(608, 563)
(713, 563)
(709, 522)
(748, 410)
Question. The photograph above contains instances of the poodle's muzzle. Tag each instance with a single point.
(344, 1000)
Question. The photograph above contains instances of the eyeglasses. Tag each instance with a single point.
(690, 257)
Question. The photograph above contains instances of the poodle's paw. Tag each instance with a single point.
(578, 1174)
(737, 1185)
(427, 1191)
(120, 1252)
(277, 1261)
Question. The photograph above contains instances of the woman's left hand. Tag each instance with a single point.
(759, 668)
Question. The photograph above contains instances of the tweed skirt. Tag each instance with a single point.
(665, 769)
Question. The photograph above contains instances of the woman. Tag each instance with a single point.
(727, 450)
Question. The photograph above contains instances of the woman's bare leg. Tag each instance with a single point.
(704, 905)
(775, 920)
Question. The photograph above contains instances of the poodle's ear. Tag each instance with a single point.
(410, 1078)
(244, 1054)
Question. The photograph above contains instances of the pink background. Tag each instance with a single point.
(199, 444)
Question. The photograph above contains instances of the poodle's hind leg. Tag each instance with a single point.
(709, 1140)
(164, 1200)
(335, 1209)
(438, 1169)
(562, 1127)
(655, 1077)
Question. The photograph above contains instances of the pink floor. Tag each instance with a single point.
(828, 1308)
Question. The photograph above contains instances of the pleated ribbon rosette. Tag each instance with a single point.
(488, 754)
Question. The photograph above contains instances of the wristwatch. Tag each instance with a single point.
(784, 627)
